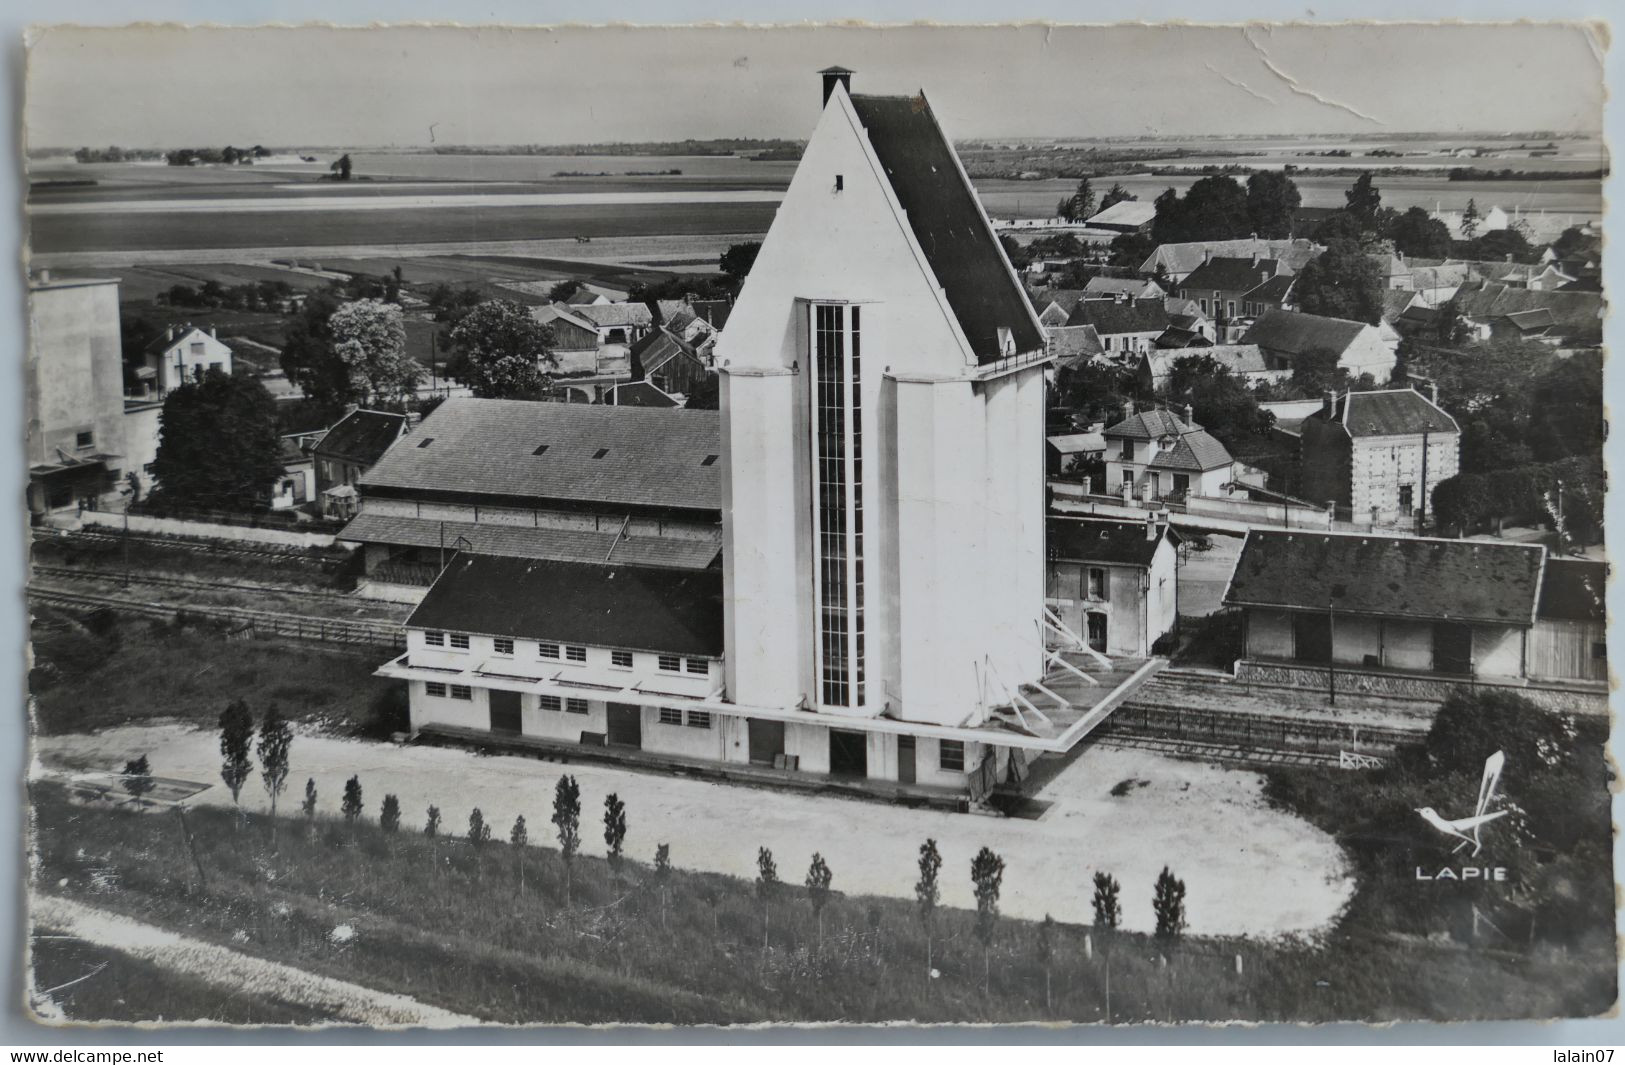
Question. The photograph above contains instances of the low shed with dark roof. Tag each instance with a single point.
(1460, 607)
(631, 607)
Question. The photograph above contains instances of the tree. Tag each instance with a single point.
(1131, 250)
(276, 738)
(567, 820)
(1107, 907)
(1470, 221)
(987, 874)
(369, 338)
(1419, 235)
(767, 883)
(736, 262)
(1080, 205)
(1342, 282)
(501, 352)
(351, 804)
(1019, 254)
(236, 747)
(1115, 195)
(308, 807)
(1503, 244)
(479, 833)
(1213, 208)
(614, 829)
(307, 356)
(218, 445)
(389, 815)
(1272, 204)
(662, 876)
(1364, 199)
(1168, 903)
(1221, 402)
(1046, 955)
(706, 395)
(431, 822)
(340, 168)
(818, 881)
(1315, 372)
(927, 895)
(138, 779)
(562, 291)
(518, 836)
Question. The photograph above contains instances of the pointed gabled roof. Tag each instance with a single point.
(947, 220)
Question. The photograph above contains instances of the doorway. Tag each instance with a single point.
(1311, 637)
(848, 754)
(905, 759)
(1452, 648)
(766, 741)
(1096, 623)
(505, 715)
(625, 725)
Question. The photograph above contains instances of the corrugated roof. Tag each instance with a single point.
(631, 607)
(1099, 540)
(487, 447)
(1125, 213)
(1298, 334)
(524, 541)
(1388, 576)
(948, 223)
(1574, 589)
(362, 435)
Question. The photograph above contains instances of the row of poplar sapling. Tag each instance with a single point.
(987, 867)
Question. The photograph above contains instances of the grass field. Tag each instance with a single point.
(451, 924)
(91, 676)
(91, 983)
(192, 230)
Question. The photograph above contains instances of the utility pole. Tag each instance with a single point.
(1331, 653)
(1422, 511)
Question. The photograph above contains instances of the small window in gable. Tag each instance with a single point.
(540, 449)
(600, 453)
(709, 460)
(426, 441)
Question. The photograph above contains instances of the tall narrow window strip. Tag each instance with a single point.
(837, 443)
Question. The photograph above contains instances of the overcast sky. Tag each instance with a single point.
(163, 87)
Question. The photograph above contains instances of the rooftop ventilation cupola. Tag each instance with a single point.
(831, 76)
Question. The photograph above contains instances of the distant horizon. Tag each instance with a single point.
(994, 139)
(143, 86)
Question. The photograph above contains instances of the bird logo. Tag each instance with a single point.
(1467, 829)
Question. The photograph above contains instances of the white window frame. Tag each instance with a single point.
(458, 641)
(671, 663)
(670, 716)
(434, 639)
(552, 704)
(548, 650)
(703, 669)
(698, 719)
(621, 659)
(502, 645)
(575, 654)
(957, 749)
(435, 688)
(576, 706)
(463, 692)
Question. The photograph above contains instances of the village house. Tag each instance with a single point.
(1159, 455)
(882, 407)
(1567, 319)
(1115, 581)
(1569, 641)
(1244, 362)
(1131, 288)
(563, 482)
(1065, 452)
(74, 384)
(668, 362)
(1125, 326)
(1177, 261)
(176, 357)
(1224, 288)
(347, 451)
(585, 366)
(1287, 336)
(1402, 615)
(1378, 456)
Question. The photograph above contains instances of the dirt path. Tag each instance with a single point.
(1125, 812)
(193, 957)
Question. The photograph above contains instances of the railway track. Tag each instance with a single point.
(211, 547)
(75, 573)
(248, 622)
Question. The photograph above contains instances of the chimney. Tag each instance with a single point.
(1128, 408)
(1207, 255)
(1190, 414)
(1150, 526)
(45, 276)
(1330, 404)
(833, 76)
(212, 333)
(1256, 257)
(169, 332)
(1433, 392)
(1509, 256)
